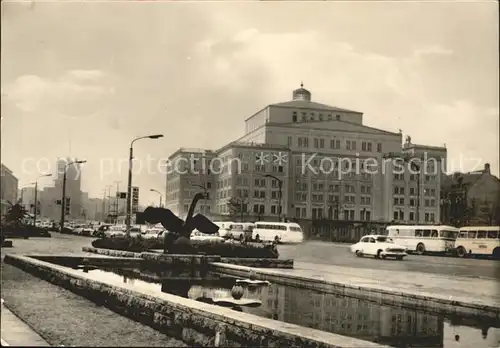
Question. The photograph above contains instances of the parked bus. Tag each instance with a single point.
(280, 232)
(478, 240)
(424, 239)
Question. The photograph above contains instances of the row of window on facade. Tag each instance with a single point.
(204, 209)
(334, 175)
(257, 209)
(313, 116)
(332, 214)
(399, 215)
(431, 176)
(328, 163)
(319, 186)
(191, 194)
(413, 202)
(229, 169)
(429, 192)
(346, 199)
(334, 144)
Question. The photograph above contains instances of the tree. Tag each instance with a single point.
(235, 206)
(15, 214)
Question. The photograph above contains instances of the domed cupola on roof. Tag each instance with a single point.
(301, 93)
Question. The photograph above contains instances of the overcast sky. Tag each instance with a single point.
(102, 73)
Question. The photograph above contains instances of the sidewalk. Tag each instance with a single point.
(17, 333)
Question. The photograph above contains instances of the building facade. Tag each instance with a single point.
(8, 189)
(471, 198)
(412, 181)
(330, 165)
(73, 185)
(27, 197)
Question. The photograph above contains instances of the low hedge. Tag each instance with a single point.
(227, 249)
(136, 245)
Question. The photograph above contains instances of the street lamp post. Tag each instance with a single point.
(22, 196)
(158, 192)
(109, 201)
(106, 193)
(129, 184)
(280, 186)
(36, 196)
(243, 202)
(416, 167)
(104, 204)
(63, 198)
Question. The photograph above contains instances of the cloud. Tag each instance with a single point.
(76, 93)
(432, 50)
(287, 58)
(469, 131)
(392, 91)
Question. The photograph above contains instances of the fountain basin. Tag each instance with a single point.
(193, 322)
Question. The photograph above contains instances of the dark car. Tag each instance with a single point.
(100, 231)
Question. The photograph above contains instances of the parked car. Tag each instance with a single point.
(241, 230)
(100, 230)
(379, 246)
(115, 231)
(78, 229)
(135, 231)
(198, 236)
(86, 231)
(224, 229)
(153, 233)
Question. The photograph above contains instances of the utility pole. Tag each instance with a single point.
(63, 198)
(280, 187)
(109, 199)
(117, 200)
(104, 205)
(129, 179)
(241, 210)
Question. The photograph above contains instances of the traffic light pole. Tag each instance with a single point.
(36, 203)
(63, 201)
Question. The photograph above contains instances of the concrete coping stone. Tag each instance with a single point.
(209, 311)
(358, 285)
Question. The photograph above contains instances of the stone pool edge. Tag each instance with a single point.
(371, 293)
(191, 321)
(248, 262)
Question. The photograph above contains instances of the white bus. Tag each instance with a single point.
(424, 239)
(478, 240)
(281, 232)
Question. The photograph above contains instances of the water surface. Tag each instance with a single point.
(361, 319)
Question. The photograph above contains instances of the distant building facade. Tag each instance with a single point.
(27, 197)
(51, 196)
(73, 185)
(8, 189)
(471, 198)
(309, 147)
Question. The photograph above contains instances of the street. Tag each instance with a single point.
(312, 252)
(339, 255)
